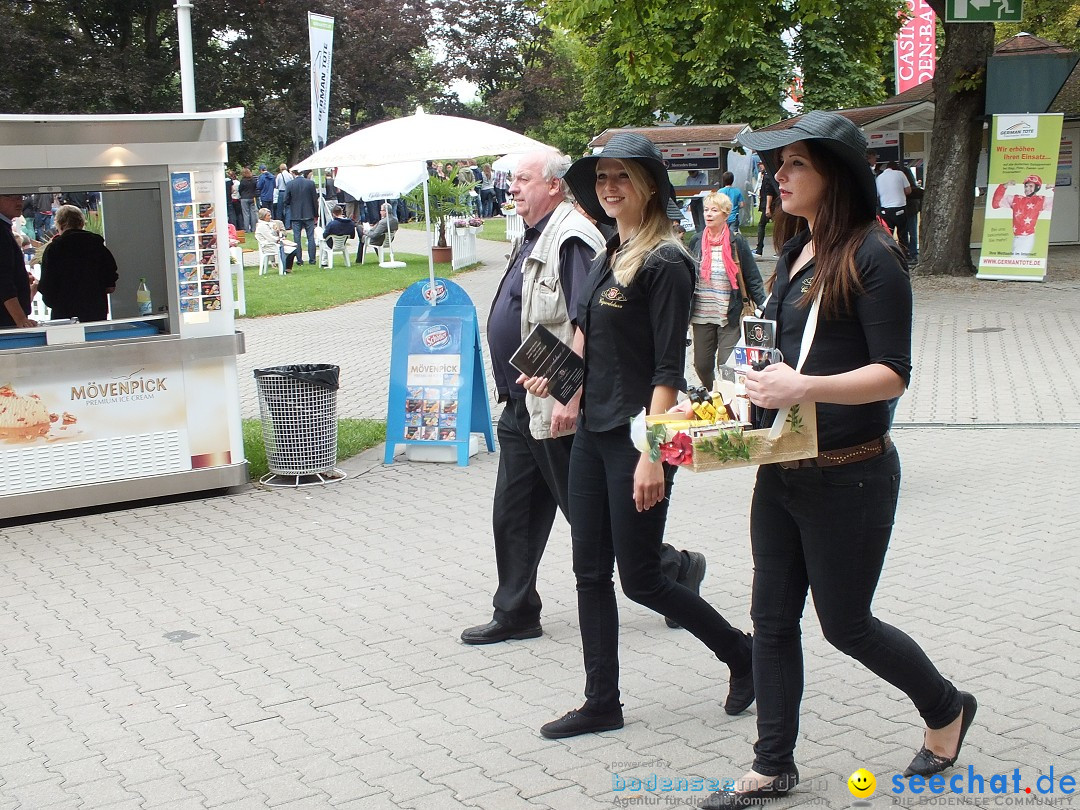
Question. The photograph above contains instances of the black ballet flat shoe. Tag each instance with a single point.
(926, 762)
(574, 723)
(782, 785)
(740, 694)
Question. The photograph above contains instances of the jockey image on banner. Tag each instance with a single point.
(1026, 208)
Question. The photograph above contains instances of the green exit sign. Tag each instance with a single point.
(983, 11)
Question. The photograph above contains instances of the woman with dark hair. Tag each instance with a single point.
(842, 305)
(77, 271)
(249, 204)
(631, 323)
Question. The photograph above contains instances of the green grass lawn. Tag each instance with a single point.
(310, 288)
(354, 436)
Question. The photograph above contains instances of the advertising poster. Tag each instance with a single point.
(437, 394)
(433, 380)
(195, 233)
(1020, 196)
(105, 425)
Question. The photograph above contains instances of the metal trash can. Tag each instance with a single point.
(298, 406)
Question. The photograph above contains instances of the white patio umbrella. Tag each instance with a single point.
(507, 163)
(420, 137)
(382, 183)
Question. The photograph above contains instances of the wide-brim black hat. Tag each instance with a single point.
(833, 132)
(581, 176)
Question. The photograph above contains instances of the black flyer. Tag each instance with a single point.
(542, 354)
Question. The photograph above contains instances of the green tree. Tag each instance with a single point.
(844, 55)
(691, 61)
(1056, 20)
(956, 140)
(121, 56)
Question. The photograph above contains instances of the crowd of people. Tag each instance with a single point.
(610, 277)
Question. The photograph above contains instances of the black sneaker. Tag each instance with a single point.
(690, 578)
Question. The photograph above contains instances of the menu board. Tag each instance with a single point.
(196, 243)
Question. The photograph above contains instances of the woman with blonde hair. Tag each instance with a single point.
(631, 320)
(718, 295)
(78, 272)
(271, 236)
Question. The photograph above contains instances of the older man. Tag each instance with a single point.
(14, 280)
(547, 266)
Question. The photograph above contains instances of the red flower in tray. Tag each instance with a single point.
(679, 451)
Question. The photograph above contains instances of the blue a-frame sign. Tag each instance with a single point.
(438, 394)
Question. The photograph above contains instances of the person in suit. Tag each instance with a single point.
(302, 199)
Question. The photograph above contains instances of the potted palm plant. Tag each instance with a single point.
(446, 200)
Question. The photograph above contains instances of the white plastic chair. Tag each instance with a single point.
(379, 249)
(266, 259)
(338, 245)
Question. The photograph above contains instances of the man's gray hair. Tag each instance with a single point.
(555, 164)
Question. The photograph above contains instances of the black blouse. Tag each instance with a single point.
(877, 330)
(635, 336)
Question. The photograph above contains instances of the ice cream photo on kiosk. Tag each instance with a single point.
(1020, 196)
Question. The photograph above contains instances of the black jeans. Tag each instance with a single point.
(827, 529)
(898, 225)
(606, 529)
(530, 485)
(761, 233)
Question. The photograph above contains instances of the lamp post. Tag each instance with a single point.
(187, 63)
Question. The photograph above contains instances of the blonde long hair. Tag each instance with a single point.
(655, 229)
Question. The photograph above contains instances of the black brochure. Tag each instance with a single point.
(542, 354)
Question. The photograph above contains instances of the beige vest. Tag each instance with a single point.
(542, 299)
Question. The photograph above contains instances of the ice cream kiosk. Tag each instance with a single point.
(146, 403)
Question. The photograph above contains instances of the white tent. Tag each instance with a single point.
(419, 137)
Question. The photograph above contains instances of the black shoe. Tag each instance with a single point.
(695, 572)
(741, 689)
(782, 785)
(574, 723)
(926, 762)
(493, 632)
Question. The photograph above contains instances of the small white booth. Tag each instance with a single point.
(137, 406)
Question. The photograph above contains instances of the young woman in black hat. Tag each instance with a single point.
(631, 330)
(823, 524)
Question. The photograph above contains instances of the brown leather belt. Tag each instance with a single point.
(846, 455)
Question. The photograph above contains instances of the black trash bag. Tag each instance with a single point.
(317, 374)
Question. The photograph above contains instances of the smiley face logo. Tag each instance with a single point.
(862, 784)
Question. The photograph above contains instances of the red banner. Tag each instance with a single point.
(916, 47)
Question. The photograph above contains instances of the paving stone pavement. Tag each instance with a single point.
(299, 648)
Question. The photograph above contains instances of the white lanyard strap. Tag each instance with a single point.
(804, 349)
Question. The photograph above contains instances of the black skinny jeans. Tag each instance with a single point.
(606, 529)
(827, 529)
